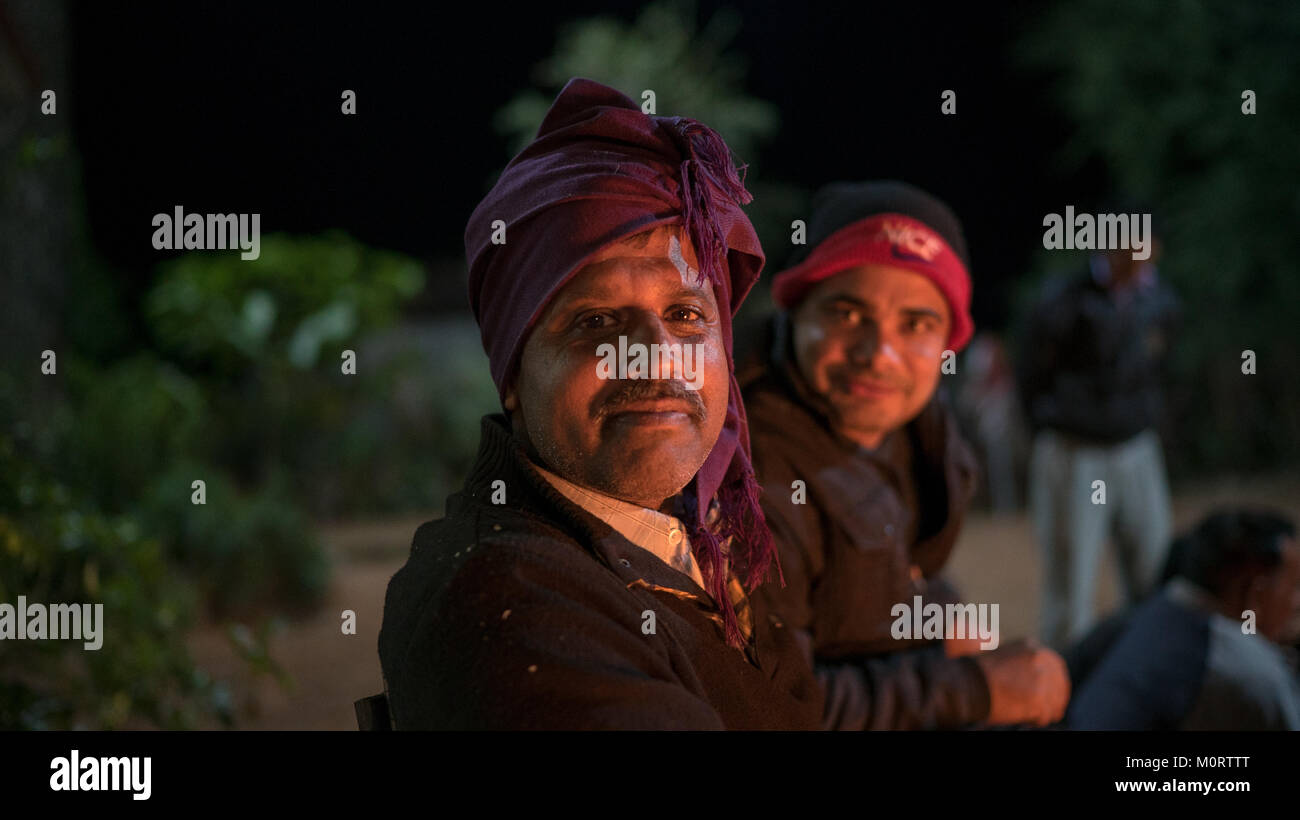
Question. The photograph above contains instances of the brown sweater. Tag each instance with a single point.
(533, 614)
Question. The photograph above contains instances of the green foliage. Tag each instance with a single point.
(81, 455)
(246, 551)
(689, 70)
(412, 422)
(266, 338)
(1154, 94)
(121, 424)
(246, 394)
(134, 436)
(226, 314)
(693, 75)
(52, 551)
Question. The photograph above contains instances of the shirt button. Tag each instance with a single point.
(674, 536)
(889, 529)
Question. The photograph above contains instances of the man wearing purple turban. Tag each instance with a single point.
(590, 573)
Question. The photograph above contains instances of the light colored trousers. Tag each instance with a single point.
(1071, 529)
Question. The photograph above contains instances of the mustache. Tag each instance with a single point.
(636, 390)
(844, 374)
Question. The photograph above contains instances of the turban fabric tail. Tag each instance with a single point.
(600, 170)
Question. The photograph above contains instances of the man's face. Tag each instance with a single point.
(641, 440)
(870, 342)
(1277, 597)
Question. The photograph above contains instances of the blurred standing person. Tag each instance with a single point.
(1090, 375)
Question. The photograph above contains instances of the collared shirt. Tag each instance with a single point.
(663, 536)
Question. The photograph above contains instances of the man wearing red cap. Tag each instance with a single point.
(590, 573)
(865, 478)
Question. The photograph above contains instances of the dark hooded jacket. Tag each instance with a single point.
(862, 541)
(533, 614)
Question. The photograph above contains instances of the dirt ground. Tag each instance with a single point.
(994, 562)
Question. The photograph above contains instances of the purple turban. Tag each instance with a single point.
(599, 171)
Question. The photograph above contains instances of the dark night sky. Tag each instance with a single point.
(236, 108)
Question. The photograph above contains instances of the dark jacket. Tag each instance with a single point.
(1176, 664)
(845, 555)
(1091, 366)
(530, 615)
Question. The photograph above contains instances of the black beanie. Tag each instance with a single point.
(843, 203)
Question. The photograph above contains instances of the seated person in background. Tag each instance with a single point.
(1083, 656)
(1205, 651)
(865, 478)
(589, 575)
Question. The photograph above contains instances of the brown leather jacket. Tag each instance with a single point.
(845, 555)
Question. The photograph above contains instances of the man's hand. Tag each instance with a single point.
(1027, 684)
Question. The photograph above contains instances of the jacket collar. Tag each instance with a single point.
(501, 457)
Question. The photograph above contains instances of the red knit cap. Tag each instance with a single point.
(886, 238)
